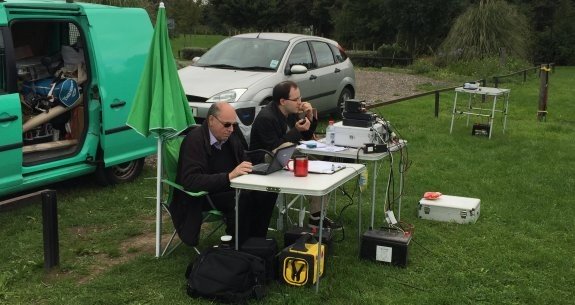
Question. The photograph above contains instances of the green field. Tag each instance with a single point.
(520, 251)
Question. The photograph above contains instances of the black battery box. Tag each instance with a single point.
(293, 234)
(388, 246)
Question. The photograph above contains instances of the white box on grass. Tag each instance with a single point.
(450, 209)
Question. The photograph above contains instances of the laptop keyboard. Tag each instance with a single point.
(262, 167)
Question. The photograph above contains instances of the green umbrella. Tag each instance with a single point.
(160, 107)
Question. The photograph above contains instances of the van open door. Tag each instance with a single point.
(11, 140)
(117, 66)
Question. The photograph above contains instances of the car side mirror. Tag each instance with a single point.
(298, 69)
(195, 59)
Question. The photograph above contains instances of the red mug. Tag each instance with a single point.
(299, 166)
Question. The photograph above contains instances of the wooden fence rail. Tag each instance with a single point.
(379, 103)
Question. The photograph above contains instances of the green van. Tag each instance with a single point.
(93, 54)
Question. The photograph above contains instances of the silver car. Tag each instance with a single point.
(243, 70)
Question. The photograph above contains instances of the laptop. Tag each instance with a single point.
(279, 161)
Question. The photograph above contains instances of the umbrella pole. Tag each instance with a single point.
(159, 198)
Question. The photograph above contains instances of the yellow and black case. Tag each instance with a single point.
(299, 261)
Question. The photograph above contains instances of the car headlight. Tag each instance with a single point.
(230, 96)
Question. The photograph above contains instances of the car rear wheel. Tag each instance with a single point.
(345, 95)
(124, 172)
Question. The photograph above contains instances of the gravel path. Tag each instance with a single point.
(385, 86)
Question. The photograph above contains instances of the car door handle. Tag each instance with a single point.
(312, 77)
(337, 70)
(117, 104)
(8, 119)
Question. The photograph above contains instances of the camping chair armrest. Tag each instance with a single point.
(181, 188)
(193, 194)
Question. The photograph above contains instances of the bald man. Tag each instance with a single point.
(210, 156)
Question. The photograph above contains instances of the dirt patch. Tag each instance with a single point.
(129, 249)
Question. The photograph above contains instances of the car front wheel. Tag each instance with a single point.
(345, 95)
(124, 172)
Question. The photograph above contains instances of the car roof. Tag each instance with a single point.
(283, 36)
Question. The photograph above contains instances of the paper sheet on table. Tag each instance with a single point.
(324, 167)
(319, 146)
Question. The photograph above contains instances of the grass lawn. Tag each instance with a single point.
(519, 252)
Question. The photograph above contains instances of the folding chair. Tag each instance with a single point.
(171, 155)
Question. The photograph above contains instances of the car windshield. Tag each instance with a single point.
(245, 54)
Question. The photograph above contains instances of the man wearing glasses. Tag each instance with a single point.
(210, 156)
(287, 119)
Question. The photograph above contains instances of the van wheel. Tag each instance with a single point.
(124, 172)
(346, 94)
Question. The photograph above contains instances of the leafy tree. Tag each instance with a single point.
(554, 37)
(186, 13)
(244, 14)
(365, 22)
(487, 28)
(422, 25)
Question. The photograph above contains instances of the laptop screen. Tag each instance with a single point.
(281, 158)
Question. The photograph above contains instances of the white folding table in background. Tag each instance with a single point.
(478, 111)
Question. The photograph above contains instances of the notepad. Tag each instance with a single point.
(324, 167)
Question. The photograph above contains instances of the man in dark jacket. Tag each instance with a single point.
(287, 119)
(211, 156)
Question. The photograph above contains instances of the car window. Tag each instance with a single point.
(245, 53)
(301, 55)
(338, 53)
(322, 53)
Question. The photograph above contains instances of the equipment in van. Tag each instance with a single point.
(45, 93)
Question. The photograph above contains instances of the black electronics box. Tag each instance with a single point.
(353, 105)
(370, 148)
(357, 123)
(366, 116)
(291, 235)
(386, 246)
(265, 248)
(480, 129)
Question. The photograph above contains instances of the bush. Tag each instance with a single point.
(488, 67)
(374, 59)
(188, 53)
(392, 50)
(422, 66)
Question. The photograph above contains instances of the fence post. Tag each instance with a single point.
(436, 104)
(543, 88)
(50, 229)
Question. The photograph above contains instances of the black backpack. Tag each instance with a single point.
(225, 274)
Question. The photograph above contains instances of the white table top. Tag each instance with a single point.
(352, 153)
(285, 182)
(484, 91)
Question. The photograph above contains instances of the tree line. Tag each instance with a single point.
(544, 29)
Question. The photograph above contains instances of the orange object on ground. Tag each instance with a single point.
(432, 195)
